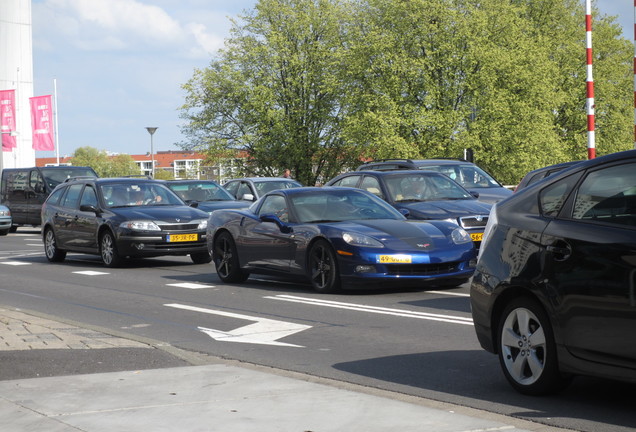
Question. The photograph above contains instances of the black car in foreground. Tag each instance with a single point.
(121, 217)
(554, 292)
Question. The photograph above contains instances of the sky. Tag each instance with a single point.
(117, 66)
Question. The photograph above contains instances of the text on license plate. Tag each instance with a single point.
(394, 259)
(182, 238)
(476, 236)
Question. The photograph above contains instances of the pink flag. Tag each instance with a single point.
(7, 119)
(42, 123)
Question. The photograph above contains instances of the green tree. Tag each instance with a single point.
(104, 165)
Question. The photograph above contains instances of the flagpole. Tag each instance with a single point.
(57, 134)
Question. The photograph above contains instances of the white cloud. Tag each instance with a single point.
(103, 25)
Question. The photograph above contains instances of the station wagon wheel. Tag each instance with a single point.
(323, 268)
(53, 254)
(108, 250)
(226, 259)
(527, 350)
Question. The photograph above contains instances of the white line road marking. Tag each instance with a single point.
(375, 309)
(15, 263)
(29, 244)
(90, 273)
(449, 293)
(264, 331)
(189, 285)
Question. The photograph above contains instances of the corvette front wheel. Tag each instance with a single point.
(323, 268)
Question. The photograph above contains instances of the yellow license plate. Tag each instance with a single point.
(476, 236)
(394, 259)
(182, 238)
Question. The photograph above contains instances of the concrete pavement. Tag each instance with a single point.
(60, 376)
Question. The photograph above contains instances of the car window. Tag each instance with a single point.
(608, 195)
(243, 189)
(89, 197)
(348, 181)
(71, 198)
(275, 204)
(341, 205)
(55, 196)
(268, 186)
(231, 187)
(553, 197)
(371, 184)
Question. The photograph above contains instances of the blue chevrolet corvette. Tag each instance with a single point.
(337, 237)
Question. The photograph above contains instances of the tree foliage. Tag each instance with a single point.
(104, 165)
(316, 85)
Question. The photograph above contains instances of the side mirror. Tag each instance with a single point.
(89, 208)
(405, 212)
(270, 217)
(247, 197)
(194, 204)
(475, 194)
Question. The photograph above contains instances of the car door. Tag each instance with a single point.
(64, 218)
(86, 222)
(264, 244)
(590, 264)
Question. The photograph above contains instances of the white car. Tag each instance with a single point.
(5, 220)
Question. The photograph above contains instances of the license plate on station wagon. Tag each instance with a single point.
(181, 238)
(394, 259)
(477, 236)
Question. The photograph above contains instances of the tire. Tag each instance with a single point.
(527, 350)
(226, 259)
(200, 257)
(13, 228)
(52, 252)
(4, 232)
(323, 268)
(108, 250)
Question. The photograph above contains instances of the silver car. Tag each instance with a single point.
(5, 220)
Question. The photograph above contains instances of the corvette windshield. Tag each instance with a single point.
(340, 205)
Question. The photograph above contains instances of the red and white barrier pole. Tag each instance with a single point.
(591, 146)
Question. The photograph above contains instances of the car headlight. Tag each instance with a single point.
(203, 225)
(5, 213)
(140, 225)
(460, 236)
(355, 239)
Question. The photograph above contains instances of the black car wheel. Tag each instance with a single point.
(323, 268)
(53, 254)
(4, 232)
(200, 258)
(108, 250)
(527, 351)
(226, 259)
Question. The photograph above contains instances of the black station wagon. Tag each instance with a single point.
(121, 217)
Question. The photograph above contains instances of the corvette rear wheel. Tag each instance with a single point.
(323, 268)
(226, 260)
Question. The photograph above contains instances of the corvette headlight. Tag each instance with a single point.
(460, 236)
(203, 225)
(140, 225)
(355, 239)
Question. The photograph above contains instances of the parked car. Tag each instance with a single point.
(467, 174)
(423, 195)
(121, 217)
(5, 220)
(541, 173)
(554, 293)
(206, 195)
(24, 190)
(335, 237)
(252, 188)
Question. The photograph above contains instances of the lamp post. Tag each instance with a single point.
(151, 131)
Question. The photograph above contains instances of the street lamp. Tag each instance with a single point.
(151, 131)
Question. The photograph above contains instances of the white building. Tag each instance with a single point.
(16, 73)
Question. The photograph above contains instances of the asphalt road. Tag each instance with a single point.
(420, 343)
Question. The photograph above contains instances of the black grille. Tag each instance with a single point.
(474, 221)
(179, 227)
(422, 269)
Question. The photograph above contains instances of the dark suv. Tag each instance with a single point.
(121, 217)
(467, 174)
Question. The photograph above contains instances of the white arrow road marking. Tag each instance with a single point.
(375, 309)
(264, 331)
